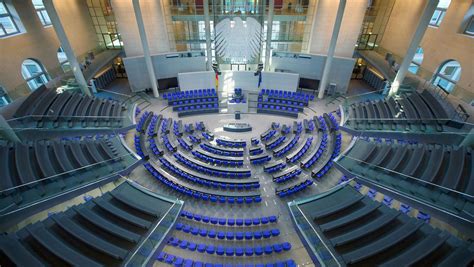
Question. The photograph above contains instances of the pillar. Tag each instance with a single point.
(207, 24)
(66, 45)
(332, 48)
(268, 44)
(414, 44)
(146, 48)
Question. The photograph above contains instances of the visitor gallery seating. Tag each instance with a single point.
(38, 172)
(436, 175)
(363, 232)
(45, 108)
(106, 230)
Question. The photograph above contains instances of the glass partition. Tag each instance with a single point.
(310, 232)
(144, 253)
(447, 200)
(35, 190)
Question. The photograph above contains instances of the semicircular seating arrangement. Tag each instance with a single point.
(108, 230)
(354, 230)
(213, 196)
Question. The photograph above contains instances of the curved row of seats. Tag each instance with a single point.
(300, 151)
(228, 235)
(275, 166)
(293, 189)
(208, 136)
(171, 146)
(144, 121)
(260, 158)
(443, 175)
(278, 110)
(166, 125)
(201, 195)
(189, 94)
(218, 160)
(417, 109)
(282, 94)
(103, 231)
(336, 148)
(231, 143)
(277, 141)
(207, 181)
(154, 125)
(194, 139)
(69, 109)
(285, 148)
(229, 251)
(222, 151)
(178, 128)
(229, 221)
(154, 148)
(180, 262)
(364, 232)
(184, 144)
(212, 170)
(286, 175)
(316, 155)
(43, 170)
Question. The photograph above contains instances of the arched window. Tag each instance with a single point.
(34, 73)
(439, 13)
(62, 58)
(416, 62)
(447, 75)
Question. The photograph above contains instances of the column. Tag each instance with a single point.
(268, 44)
(414, 44)
(146, 48)
(207, 24)
(7, 131)
(66, 45)
(332, 48)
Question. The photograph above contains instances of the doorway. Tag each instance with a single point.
(238, 67)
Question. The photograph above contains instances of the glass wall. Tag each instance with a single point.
(239, 24)
(104, 23)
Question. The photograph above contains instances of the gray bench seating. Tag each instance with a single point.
(42, 170)
(364, 232)
(419, 109)
(102, 232)
(46, 105)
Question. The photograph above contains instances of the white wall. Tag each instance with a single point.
(312, 68)
(155, 26)
(325, 16)
(196, 80)
(164, 68)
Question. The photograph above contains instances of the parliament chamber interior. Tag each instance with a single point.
(232, 133)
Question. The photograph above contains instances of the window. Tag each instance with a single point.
(439, 13)
(448, 75)
(7, 23)
(34, 73)
(62, 58)
(470, 27)
(416, 62)
(41, 12)
(4, 99)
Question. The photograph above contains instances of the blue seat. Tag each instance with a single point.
(230, 235)
(239, 222)
(239, 252)
(229, 251)
(231, 221)
(258, 250)
(275, 232)
(221, 235)
(248, 222)
(211, 234)
(257, 235)
(192, 246)
(248, 251)
(201, 248)
(286, 246)
(268, 249)
(210, 249)
(256, 221)
(222, 221)
(220, 250)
